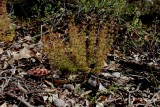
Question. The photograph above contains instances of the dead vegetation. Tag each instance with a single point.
(97, 57)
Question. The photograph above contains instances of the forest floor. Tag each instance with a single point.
(28, 80)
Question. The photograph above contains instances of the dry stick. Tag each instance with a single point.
(114, 100)
(21, 87)
(130, 92)
(13, 71)
(152, 100)
(43, 91)
(20, 99)
(6, 83)
(100, 78)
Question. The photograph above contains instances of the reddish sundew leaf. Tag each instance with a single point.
(38, 72)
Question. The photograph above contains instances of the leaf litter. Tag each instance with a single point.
(27, 80)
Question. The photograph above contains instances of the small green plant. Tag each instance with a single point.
(85, 50)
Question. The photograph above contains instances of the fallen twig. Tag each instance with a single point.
(152, 100)
(20, 99)
(130, 92)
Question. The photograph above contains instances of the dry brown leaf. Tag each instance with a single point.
(105, 64)
(25, 45)
(1, 50)
(123, 80)
(28, 38)
(16, 55)
(112, 66)
(85, 93)
(101, 88)
(72, 77)
(23, 53)
(102, 98)
(4, 104)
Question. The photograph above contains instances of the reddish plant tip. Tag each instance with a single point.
(38, 72)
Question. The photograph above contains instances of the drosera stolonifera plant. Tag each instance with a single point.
(84, 50)
(7, 31)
